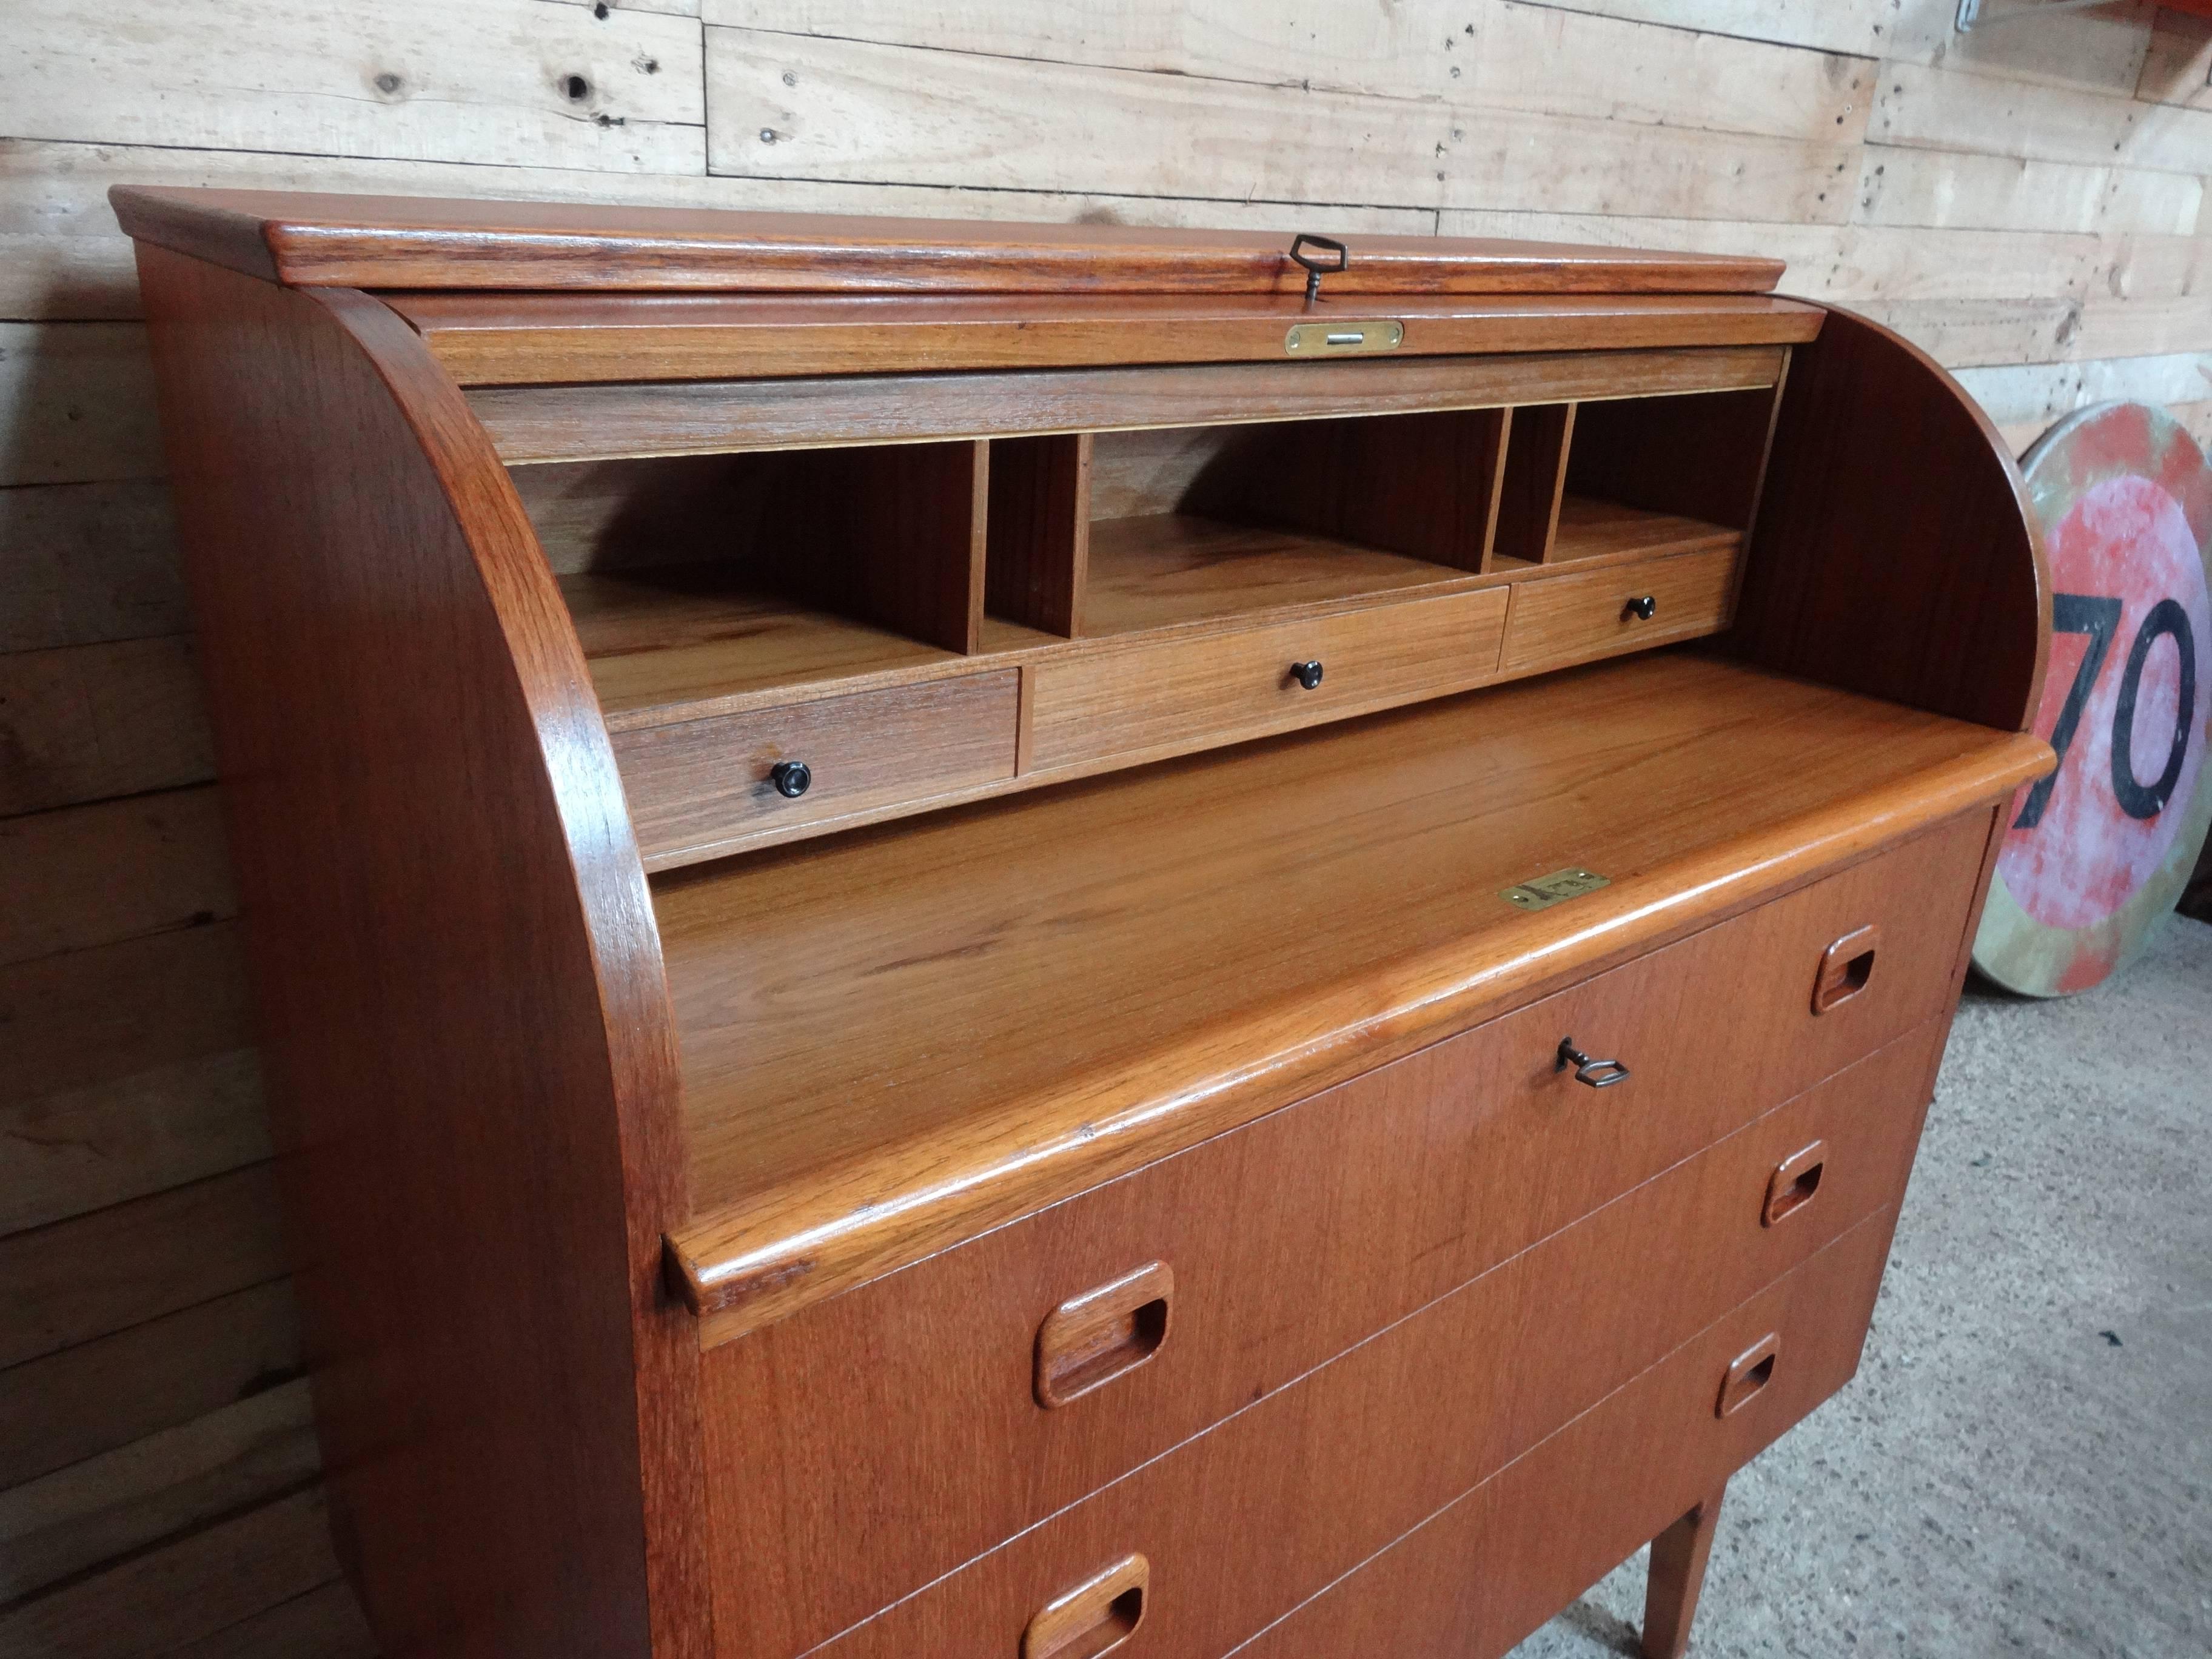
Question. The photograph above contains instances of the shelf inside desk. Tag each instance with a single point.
(1591, 528)
(1161, 570)
(1045, 991)
(667, 639)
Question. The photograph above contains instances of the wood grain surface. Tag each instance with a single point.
(2048, 265)
(402, 243)
(510, 340)
(1198, 693)
(1353, 1456)
(937, 1436)
(1611, 768)
(527, 1180)
(1586, 616)
(700, 788)
(1565, 1513)
(575, 422)
(1833, 561)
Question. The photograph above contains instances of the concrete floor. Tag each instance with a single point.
(2024, 1462)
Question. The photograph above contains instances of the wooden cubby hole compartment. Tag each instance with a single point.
(1632, 476)
(700, 580)
(1187, 525)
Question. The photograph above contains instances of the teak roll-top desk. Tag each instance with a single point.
(1005, 941)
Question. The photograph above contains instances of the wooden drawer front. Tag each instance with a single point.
(1489, 1569)
(868, 1444)
(1421, 1173)
(705, 783)
(1558, 620)
(1242, 1524)
(1185, 693)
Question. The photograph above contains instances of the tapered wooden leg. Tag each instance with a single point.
(1678, 1573)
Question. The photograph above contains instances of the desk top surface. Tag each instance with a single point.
(305, 239)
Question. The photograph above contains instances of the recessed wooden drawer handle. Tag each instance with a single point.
(1795, 1179)
(1089, 1340)
(1096, 1617)
(791, 779)
(1846, 967)
(1644, 607)
(1597, 1073)
(1307, 673)
(1753, 1371)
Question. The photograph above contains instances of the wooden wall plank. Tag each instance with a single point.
(184, 1590)
(496, 81)
(84, 564)
(1399, 50)
(1548, 62)
(101, 874)
(1943, 109)
(85, 1018)
(103, 1273)
(1861, 27)
(1938, 187)
(1494, 54)
(1843, 263)
(804, 106)
(1961, 333)
(325, 1623)
(90, 721)
(2099, 50)
(78, 1150)
(235, 1458)
(76, 404)
(114, 1389)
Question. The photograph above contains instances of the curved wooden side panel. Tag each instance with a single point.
(1895, 552)
(463, 1011)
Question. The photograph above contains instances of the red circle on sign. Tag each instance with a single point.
(2125, 540)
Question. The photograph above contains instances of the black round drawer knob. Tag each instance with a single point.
(1307, 673)
(1644, 608)
(791, 778)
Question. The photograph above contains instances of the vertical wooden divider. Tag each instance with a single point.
(1037, 560)
(1534, 480)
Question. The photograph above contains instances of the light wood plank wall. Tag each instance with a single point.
(2024, 202)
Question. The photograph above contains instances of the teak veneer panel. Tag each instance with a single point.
(521, 339)
(631, 417)
(1171, 569)
(702, 786)
(1359, 1452)
(1421, 1175)
(1483, 1572)
(1223, 687)
(1092, 947)
(1578, 618)
(408, 242)
(463, 1014)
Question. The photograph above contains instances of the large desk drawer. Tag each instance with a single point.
(848, 1481)
(1240, 1524)
(1485, 1571)
(1183, 694)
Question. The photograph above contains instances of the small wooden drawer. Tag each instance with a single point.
(1560, 620)
(1239, 1526)
(1204, 1270)
(1183, 694)
(712, 785)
